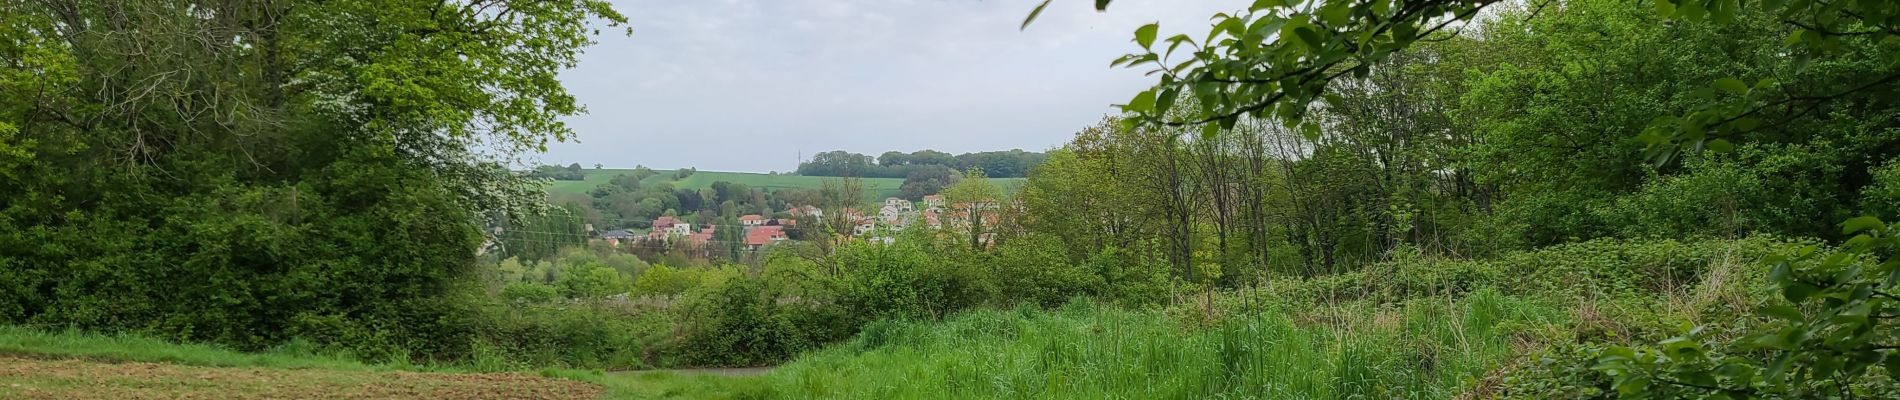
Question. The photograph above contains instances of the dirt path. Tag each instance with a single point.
(30, 378)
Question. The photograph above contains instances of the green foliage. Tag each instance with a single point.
(530, 293)
(1831, 338)
(1034, 269)
(311, 174)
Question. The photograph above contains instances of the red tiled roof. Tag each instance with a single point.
(663, 222)
(761, 235)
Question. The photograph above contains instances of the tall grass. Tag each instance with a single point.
(1422, 349)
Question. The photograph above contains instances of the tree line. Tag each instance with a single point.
(1014, 163)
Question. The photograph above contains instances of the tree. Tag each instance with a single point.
(272, 169)
(974, 197)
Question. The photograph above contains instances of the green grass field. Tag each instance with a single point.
(876, 189)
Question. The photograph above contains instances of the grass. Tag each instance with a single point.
(1424, 349)
(93, 346)
(876, 189)
(78, 365)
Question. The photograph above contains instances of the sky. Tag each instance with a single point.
(734, 85)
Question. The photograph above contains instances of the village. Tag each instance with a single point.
(848, 223)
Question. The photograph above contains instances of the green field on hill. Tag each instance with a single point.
(875, 188)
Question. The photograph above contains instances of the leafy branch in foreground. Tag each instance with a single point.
(1837, 325)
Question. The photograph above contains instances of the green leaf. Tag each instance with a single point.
(1166, 100)
(1798, 292)
(1174, 42)
(1336, 14)
(1101, 5)
(1893, 365)
(1861, 223)
(1404, 32)
(1308, 36)
(1143, 102)
(1033, 13)
(1720, 146)
(1731, 85)
(1266, 4)
(1145, 35)
(1666, 8)
(1782, 312)
(1781, 274)
(1794, 38)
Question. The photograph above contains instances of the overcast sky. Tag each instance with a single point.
(734, 85)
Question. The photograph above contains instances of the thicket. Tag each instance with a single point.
(249, 173)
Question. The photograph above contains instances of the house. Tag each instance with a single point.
(890, 213)
(864, 226)
(803, 211)
(672, 226)
(760, 236)
(700, 239)
(614, 237)
(931, 220)
(751, 220)
(851, 214)
(900, 204)
(933, 202)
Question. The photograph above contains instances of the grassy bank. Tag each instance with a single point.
(1421, 349)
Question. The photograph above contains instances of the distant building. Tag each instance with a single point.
(670, 226)
(760, 236)
(614, 237)
(933, 202)
(751, 220)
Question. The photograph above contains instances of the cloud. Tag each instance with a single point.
(750, 85)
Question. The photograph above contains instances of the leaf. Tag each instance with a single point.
(1781, 274)
(1175, 42)
(1145, 35)
(1166, 100)
(1731, 85)
(1101, 5)
(1798, 292)
(1782, 312)
(1893, 366)
(1145, 101)
(1266, 4)
(1720, 146)
(1033, 13)
(1307, 35)
(1861, 223)
(1665, 8)
(1795, 37)
(1336, 14)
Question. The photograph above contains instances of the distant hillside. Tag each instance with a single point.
(875, 188)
